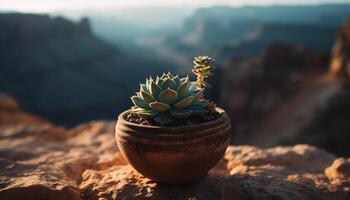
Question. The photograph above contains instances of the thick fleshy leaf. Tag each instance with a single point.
(157, 80)
(155, 90)
(158, 106)
(196, 109)
(148, 85)
(180, 113)
(163, 76)
(139, 102)
(168, 96)
(168, 83)
(201, 103)
(170, 75)
(160, 82)
(143, 87)
(137, 109)
(164, 118)
(147, 114)
(147, 96)
(192, 87)
(182, 90)
(177, 81)
(185, 102)
(182, 80)
(197, 95)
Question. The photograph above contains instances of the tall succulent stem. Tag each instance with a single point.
(203, 66)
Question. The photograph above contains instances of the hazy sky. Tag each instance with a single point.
(57, 5)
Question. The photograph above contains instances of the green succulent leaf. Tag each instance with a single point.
(192, 87)
(158, 106)
(182, 90)
(146, 114)
(185, 102)
(196, 109)
(177, 81)
(148, 86)
(155, 90)
(200, 103)
(139, 102)
(180, 113)
(137, 109)
(168, 83)
(147, 96)
(168, 96)
(182, 80)
(170, 75)
(164, 118)
(143, 87)
(197, 94)
(163, 76)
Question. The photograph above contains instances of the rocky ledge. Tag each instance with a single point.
(41, 161)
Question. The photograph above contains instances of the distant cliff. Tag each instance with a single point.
(340, 65)
(288, 96)
(59, 69)
(224, 32)
(330, 124)
(255, 90)
(315, 37)
(28, 28)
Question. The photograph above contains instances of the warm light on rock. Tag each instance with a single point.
(46, 162)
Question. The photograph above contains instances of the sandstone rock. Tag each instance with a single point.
(339, 169)
(339, 173)
(79, 166)
(10, 113)
(253, 173)
(26, 181)
(42, 161)
(125, 183)
(8, 103)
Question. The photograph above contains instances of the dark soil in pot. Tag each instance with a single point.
(204, 117)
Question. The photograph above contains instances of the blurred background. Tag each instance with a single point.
(282, 67)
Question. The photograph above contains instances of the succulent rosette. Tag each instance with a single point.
(168, 98)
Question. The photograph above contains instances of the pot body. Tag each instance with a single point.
(173, 154)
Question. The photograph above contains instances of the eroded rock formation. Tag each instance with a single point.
(340, 65)
(290, 95)
(43, 161)
(269, 97)
(328, 126)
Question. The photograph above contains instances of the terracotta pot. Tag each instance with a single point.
(173, 154)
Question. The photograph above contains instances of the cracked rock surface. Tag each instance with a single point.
(41, 161)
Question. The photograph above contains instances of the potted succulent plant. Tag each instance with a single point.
(173, 134)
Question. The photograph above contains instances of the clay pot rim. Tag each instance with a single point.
(171, 135)
(175, 129)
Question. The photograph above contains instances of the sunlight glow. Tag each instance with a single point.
(64, 5)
